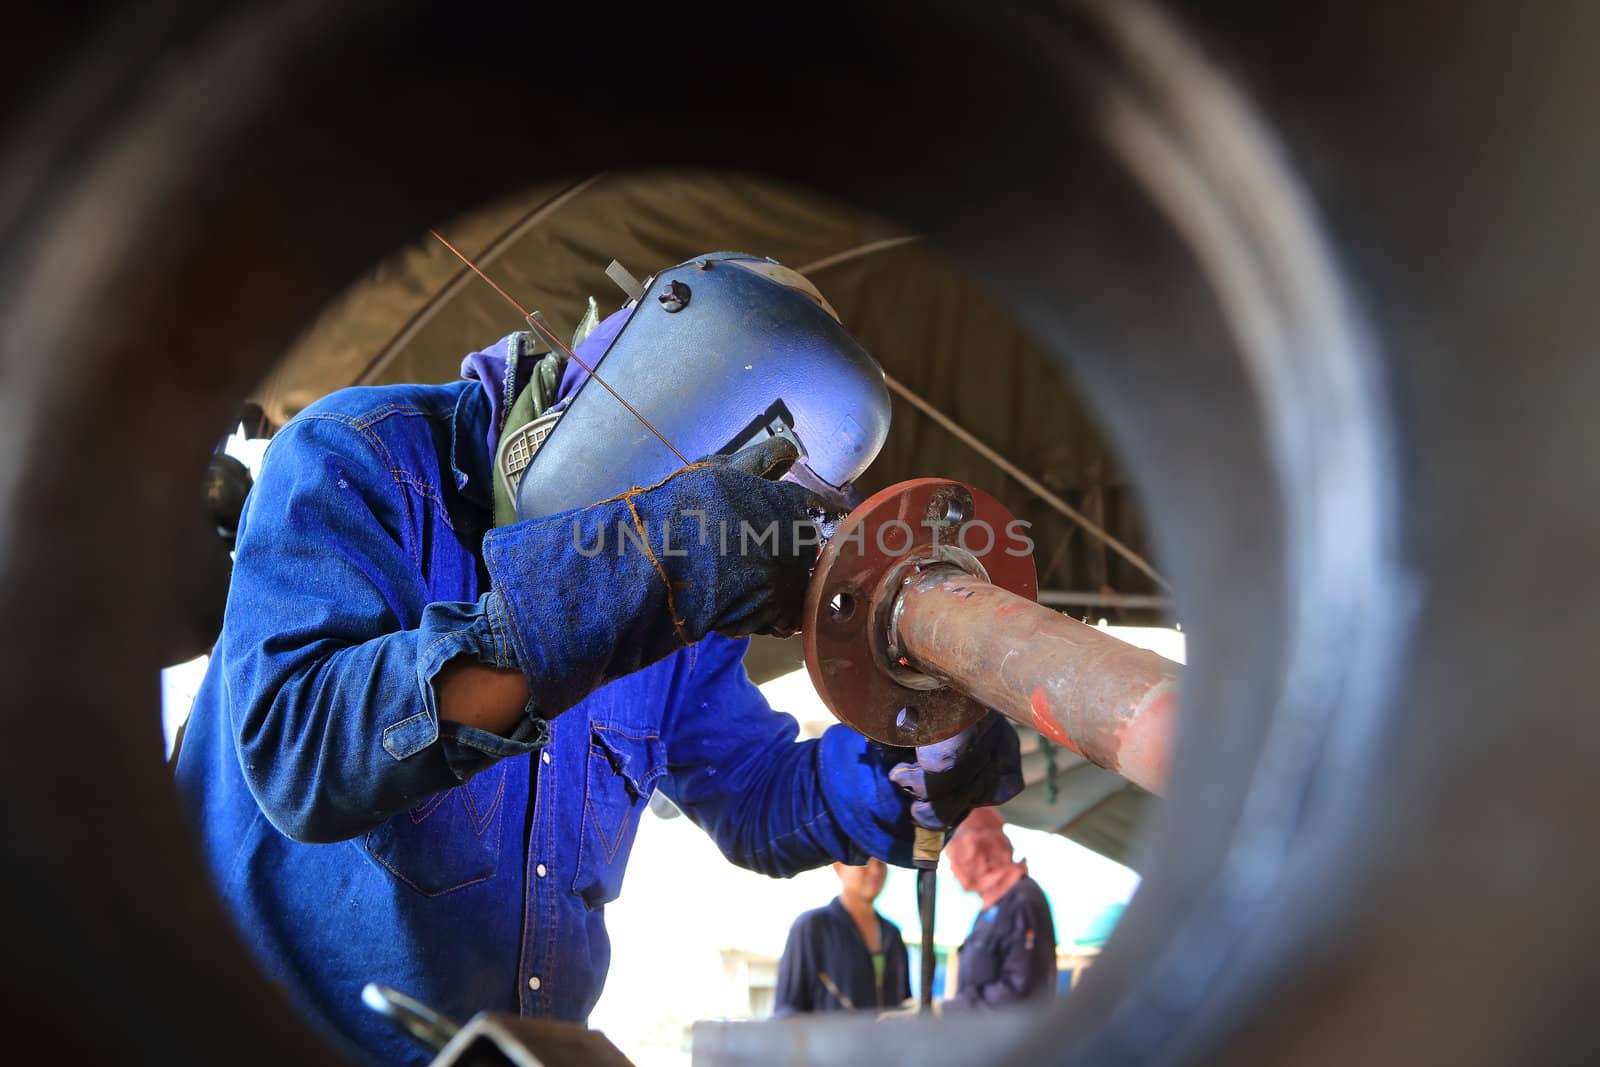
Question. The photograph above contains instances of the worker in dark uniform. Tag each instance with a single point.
(844, 957)
(1011, 953)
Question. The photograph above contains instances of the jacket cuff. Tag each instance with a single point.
(478, 630)
(468, 750)
(524, 590)
(871, 811)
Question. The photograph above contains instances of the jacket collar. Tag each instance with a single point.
(841, 914)
(469, 446)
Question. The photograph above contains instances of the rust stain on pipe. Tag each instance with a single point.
(1110, 702)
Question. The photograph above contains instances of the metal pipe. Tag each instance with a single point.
(1110, 702)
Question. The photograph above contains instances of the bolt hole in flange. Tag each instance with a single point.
(948, 508)
(906, 721)
(842, 607)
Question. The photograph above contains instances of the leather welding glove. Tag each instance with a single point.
(593, 594)
(979, 767)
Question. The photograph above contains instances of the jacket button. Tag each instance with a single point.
(544, 757)
(533, 983)
(540, 870)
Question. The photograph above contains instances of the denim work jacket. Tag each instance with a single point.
(356, 837)
(1011, 953)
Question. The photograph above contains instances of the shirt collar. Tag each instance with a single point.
(841, 912)
(490, 391)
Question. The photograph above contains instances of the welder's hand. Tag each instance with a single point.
(980, 766)
(595, 593)
(766, 533)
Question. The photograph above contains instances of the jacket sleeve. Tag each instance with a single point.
(796, 974)
(330, 650)
(771, 803)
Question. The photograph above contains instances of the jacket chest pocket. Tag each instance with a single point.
(623, 766)
(980, 955)
(449, 841)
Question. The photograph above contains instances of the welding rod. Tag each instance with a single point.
(928, 845)
(1110, 702)
(927, 883)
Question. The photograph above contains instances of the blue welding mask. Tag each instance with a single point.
(720, 352)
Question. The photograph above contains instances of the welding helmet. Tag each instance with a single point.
(718, 353)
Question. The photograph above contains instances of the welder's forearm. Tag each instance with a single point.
(482, 696)
(785, 826)
(736, 770)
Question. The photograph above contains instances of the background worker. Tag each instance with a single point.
(845, 956)
(1011, 953)
(426, 736)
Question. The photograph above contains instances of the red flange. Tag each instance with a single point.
(849, 645)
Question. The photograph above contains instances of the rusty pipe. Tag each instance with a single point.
(1110, 702)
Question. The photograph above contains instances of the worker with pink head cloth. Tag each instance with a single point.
(1011, 953)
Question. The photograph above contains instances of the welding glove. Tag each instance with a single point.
(980, 766)
(596, 593)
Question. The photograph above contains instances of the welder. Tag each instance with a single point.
(474, 626)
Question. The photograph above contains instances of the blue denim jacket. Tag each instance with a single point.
(357, 837)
